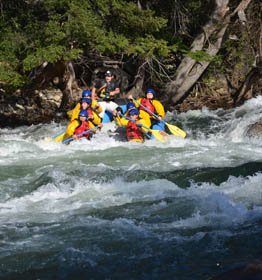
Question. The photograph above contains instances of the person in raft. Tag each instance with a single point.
(78, 126)
(148, 105)
(134, 128)
(85, 104)
(96, 108)
(107, 93)
(119, 117)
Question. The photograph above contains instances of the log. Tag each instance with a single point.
(190, 70)
(71, 91)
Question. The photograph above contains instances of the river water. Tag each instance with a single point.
(108, 209)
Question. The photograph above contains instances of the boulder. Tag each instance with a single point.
(255, 130)
(50, 99)
(26, 108)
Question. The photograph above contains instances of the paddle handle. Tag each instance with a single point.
(125, 117)
(150, 112)
(58, 134)
(80, 134)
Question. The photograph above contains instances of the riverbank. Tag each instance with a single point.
(31, 107)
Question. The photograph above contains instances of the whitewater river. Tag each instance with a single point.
(107, 209)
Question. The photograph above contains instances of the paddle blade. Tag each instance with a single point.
(48, 139)
(159, 135)
(175, 130)
(60, 137)
(70, 113)
(118, 120)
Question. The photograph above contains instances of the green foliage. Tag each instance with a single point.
(54, 30)
(10, 76)
(133, 21)
(33, 32)
(9, 57)
(51, 54)
(81, 25)
(239, 52)
(148, 47)
(110, 44)
(203, 56)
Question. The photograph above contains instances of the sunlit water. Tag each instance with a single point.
(108, 209)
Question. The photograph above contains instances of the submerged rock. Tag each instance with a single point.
(255, 130)
(251, 271)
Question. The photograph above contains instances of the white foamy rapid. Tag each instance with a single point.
(215, 138)
(107, 206)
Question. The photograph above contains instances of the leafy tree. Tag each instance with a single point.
(63, 30)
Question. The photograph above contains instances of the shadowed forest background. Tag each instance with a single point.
(194, 53)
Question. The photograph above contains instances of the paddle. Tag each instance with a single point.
(57, 137)
(60, 137)
(119, 120)
(80, 134)
(102, 87)
(172, 128)
(59, 133)
(158, 134)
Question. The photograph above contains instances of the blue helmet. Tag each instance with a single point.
(133, 112)
(87, 100)
(83, 113)
(86, 93)
(130, 105)
(150, 90)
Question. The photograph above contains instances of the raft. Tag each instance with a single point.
(108, 117)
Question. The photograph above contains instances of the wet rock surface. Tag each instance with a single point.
(255, 130)
(26, 108)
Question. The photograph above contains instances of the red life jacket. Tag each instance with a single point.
(133, 132)
(147, 103)
(90, 112)
(83, 126)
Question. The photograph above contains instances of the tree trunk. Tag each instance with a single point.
(190, 70)
(245, 91)
(71, 92)
(137, 89)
